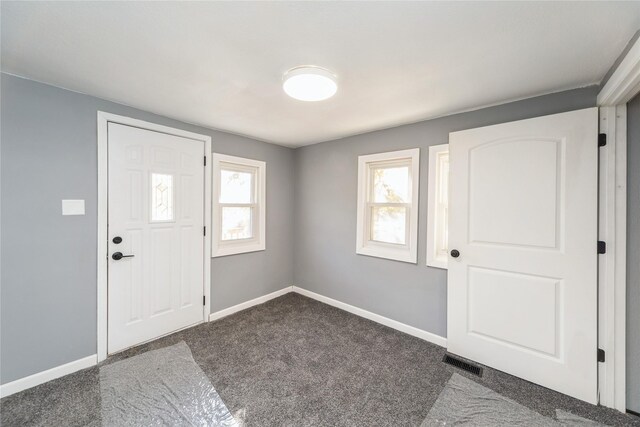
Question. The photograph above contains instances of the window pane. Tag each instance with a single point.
(442, 233)
(236, 187)
(388, 224)
(161, 197)
(236, 223)
(391, 185)
(442, 205)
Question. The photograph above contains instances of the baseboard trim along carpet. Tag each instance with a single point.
(394, 324)
(244, 305)
(86, 362)
(48, 375)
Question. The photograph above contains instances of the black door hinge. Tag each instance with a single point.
(205, 160)
(602, 247)
(600, 355)
(602, 139)
(204, 230)
(203, 300)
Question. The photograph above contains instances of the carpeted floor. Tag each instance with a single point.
(294, 362)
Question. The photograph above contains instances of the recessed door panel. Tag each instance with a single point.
(187, 296)
(532, 319)
(162, 269)
(135, 303)
(514, 192)
(134, 196)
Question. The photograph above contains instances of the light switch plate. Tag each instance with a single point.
(73, 207)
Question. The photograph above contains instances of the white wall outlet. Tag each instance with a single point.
(73, 207)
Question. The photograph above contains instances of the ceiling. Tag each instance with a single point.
(220, 64)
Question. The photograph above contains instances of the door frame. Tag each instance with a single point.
(621, 87)
(104, 119)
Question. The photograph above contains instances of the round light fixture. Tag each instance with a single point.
(309, 83)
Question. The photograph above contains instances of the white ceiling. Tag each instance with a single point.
(220, 64)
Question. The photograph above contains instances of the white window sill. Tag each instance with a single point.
(231, 249)
(440, 262)
(403, 255)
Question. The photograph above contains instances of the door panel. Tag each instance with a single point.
(523, 214)
(528, 199)
(156, 204)
(529, 321)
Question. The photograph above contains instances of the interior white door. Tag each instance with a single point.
(522, 294)
(156, 209)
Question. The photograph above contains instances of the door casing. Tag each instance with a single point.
(104, 119)
(622, 86)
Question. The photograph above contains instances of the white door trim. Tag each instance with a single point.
(622, 86)
(103, 120)
(612, 264)
(624, 83)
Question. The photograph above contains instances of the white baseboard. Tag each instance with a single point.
(48, 375)
(419, 333)
(86, 362)
(244, 305)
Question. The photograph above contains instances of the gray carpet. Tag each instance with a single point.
(568, 419)
(294, 362)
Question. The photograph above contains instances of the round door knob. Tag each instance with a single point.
(455, 253)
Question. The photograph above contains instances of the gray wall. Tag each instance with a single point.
(325, 215)
(48, 293)
(633, 254)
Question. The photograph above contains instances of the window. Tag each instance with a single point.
(388, 205)
(161, 197)
(238, 205)
(438, 212)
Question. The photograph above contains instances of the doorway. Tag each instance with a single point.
(155, 274)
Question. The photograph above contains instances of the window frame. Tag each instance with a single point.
(437, 223)
(365, 245)
(257, 242)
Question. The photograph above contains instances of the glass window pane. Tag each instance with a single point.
(236, 223)
(442, 233)
(442, 205)
(161, 197)
(391, 185)
(388, 224)
(236, 187)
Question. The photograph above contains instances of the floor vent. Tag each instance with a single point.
(454, 361)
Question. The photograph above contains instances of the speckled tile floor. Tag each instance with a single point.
(297, 362)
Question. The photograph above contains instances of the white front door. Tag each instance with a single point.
(156, 220)
(523, 214)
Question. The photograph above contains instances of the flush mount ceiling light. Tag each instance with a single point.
(309, 83)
